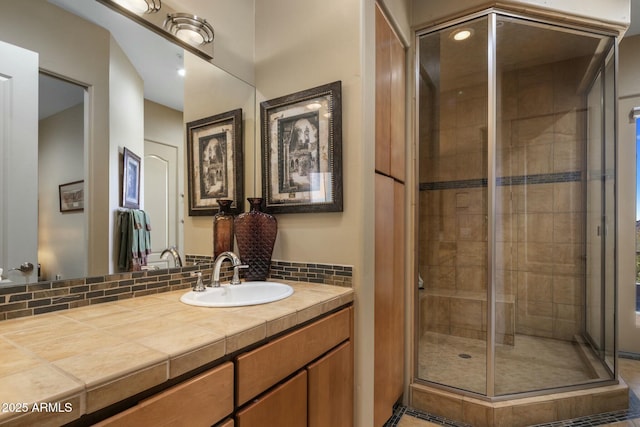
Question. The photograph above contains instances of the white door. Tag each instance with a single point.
(18, 161)
(161, 199)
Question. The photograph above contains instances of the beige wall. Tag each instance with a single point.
(163, 124)
(629, 97)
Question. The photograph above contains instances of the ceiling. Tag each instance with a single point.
(154, 58)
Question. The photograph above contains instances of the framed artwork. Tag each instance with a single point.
(215, 163)
(131, 180)
(301, 138)
(71, 196)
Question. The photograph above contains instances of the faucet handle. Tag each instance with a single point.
(25, 268)
(235, 280)
(199, 286)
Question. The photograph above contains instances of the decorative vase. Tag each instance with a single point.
(223, 228)
(256, 233)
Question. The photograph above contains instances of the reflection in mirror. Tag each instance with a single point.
(133, 96)
(61, 235)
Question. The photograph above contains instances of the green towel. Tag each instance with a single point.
(135, 239)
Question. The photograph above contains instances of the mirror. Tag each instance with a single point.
(133, 97)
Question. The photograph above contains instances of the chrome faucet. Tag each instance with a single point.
(237, 264)
(171, 250)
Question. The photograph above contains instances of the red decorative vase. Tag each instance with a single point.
(256, 233)
(223, 228)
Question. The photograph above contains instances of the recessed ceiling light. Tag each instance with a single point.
(315, 105)
(462, 34)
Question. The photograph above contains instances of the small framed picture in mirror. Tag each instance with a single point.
(302, 151)
(71, 196)
(131, 180)
(215, 162)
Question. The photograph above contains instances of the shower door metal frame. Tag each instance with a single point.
(492, 139)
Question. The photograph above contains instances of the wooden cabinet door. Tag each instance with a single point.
(389, 302)
(331, 389)
(383, 95)
(284, 406)
(390, 100)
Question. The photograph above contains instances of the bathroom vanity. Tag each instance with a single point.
(155, 359)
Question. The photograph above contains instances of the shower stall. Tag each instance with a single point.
(517, 221)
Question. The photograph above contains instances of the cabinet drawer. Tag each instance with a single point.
(200, 401)
(264, 367)
(285, 405)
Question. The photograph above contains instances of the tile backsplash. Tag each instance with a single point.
(45, 297)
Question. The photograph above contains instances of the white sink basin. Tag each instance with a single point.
(247, 293)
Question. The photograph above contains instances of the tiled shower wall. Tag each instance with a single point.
(539, 200)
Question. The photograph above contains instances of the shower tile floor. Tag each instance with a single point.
(538, 363)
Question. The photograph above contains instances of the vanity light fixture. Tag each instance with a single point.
(189, 31)
(141, 6)
(189, 28)
(462, 34)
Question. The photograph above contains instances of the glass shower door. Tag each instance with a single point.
(453, 202)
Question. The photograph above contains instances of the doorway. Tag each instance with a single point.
(161, 198)
(62, 243)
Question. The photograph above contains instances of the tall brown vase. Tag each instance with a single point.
(223, 228)
(256, 233)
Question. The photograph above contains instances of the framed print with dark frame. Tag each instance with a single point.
(71, 196)
(302, 151)
(215, 163)
(130, 180)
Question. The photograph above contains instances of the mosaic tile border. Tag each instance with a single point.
(399, 411)
(548, 178)
(327, 274)
(46, 297)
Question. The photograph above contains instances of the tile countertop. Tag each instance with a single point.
(56, 367)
